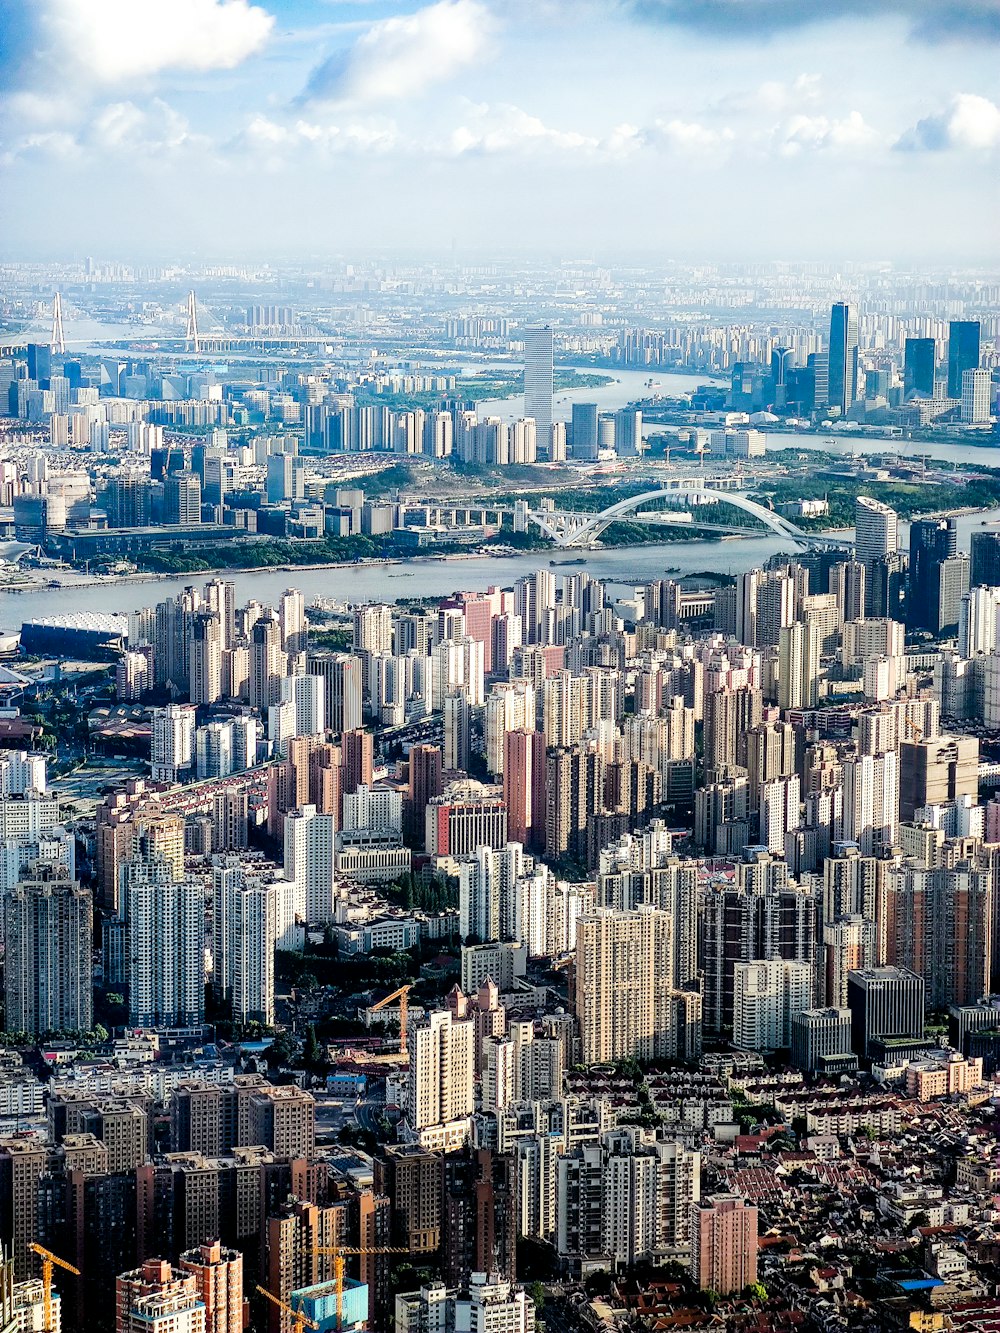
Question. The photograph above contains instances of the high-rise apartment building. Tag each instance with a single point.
(165, 943)
(936, 770)
(218, 1276)
(48, 920)
(798, 665)
(441, 1081)
(250, 915)
(939, 925)
(847, 584)
(486, 899)
(524, 786)
(623, 983)
(268, 663)
(767, 995)
(723, 1243)
(310, 844)
(871, 801)
(157, 1298)
(205, 666)
(172, 746)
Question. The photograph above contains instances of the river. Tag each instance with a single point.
(627, 386)
(428, 578)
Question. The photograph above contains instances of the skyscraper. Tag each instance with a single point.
(918, 367)
(628, 432)
(985, 569)
(182, 499)
(932, 541)
(343, 675)
(817, 382)
(876, 536)
(963, 352)
(976, 395)
(843, 388)
(538, 384)
(584, 422)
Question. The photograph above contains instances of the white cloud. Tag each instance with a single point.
(504, 128)
(400, 57)
(268, 136)
(969, 122)
(116, 42)
(802, 133)
(125, 127)
(773, 97)
(687, 136)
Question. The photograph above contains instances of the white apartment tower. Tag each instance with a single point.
(165, 945)
(441, 1086)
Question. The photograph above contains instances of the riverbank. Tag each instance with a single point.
(431, 577)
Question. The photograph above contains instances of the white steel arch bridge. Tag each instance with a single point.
(578, 529)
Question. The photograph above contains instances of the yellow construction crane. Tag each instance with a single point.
(49, 1261)
(300, 1320)
(339, 1252)
(915, 731)
(402, 995)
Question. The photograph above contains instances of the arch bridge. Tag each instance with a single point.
(583, 529)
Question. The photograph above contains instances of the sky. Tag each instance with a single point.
(690, 130)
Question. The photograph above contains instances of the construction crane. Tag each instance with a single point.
(49, 1261)
(916, 732)
(339, 1252)
(300, 1320)
(402, 995)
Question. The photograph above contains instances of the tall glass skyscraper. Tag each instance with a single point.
(932, 542)
(538, 384)
(918, 366)
(963, 352)
(843, 356)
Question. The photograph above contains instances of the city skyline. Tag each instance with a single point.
(855, 133)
